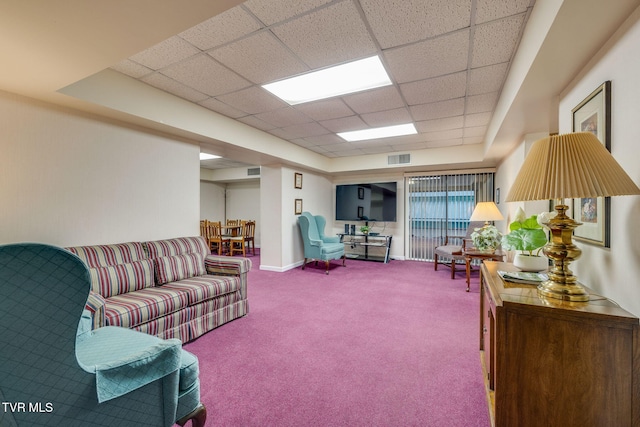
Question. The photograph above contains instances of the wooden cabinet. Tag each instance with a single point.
(556, 363)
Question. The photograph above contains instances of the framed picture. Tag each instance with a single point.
(360, 193)
(297, 180)
(593, 114)
(298, 206)
(360, 211)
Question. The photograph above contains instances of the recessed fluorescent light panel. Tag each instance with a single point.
(355, 76)
(205, 156)
(375, 133)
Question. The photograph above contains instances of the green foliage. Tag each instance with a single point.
(526, 235)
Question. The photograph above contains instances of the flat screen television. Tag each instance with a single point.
(366, 202)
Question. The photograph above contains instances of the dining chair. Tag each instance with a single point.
(246, 238)
(217, 241)
(232, 228)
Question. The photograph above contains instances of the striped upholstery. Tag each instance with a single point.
(178, 267)
(171, 288)
(122, 278)
(132, 309)
(204, 288)
(104, 255)
(182, 245)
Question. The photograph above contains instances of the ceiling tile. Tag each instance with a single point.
(305, 130)
(165, 53)
(344, 124)
(255, 122)
(436, 89)
(384, 98)
(397, 22)
(387, 118)
(475, 131)
(490, 10)
(478, 119)
(221, 29)
(206, 75)
(473, 140)
(132, 69)
(253, 100)
(271, 12)
(430, 58)
(445, 143)
(481, 103)
(435, 110)
(445, 134)
(448, 123)
(260, 58)
(328, 36)
(496, 41)
(327, 139)
(487, 79)
(283, 117)
(409, 147)
(169, 85)
(377, 149)
(222, 108)
(326, 109)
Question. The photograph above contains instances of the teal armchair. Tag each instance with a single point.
(56, 371)
(317, 246)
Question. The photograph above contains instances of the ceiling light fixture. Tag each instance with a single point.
(382, 132)
(356, 76)
(206, 156)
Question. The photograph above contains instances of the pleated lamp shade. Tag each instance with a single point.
(486, 211)
(573, 165)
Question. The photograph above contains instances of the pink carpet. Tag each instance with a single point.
(371, 344)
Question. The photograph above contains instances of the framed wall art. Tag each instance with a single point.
(298, 206)
(593, 114)
(297, 181)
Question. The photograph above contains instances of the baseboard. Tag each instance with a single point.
(281, 269)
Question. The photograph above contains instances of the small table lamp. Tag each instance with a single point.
(486, 211)
(574, 165)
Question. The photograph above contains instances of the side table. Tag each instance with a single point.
(472, 254)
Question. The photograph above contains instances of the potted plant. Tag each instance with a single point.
(365, 229)
(528, 237)
(486, 238)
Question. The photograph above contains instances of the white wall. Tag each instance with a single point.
(612, 272)
(72, 179)
(212, 201)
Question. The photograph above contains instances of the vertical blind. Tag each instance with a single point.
(440, 206)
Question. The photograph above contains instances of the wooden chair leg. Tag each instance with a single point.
(453, 268)
(326, 263)
(435, 262)
(198, 417)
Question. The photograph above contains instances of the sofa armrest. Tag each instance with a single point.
(331, 239)
(95, 305)
(229, 266)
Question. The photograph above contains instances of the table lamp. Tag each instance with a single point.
(558, 167)
(486, 211)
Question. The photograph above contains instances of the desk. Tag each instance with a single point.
(475, 254)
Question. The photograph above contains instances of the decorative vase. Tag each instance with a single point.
(531, 262)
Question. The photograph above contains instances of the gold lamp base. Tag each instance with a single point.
(562, 284)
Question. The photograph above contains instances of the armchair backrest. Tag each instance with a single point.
(43, 291)
(309, 231)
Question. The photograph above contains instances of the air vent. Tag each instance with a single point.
(253, 171)
(399, 159)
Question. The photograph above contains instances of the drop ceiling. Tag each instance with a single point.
(448, 60)
(475, 76)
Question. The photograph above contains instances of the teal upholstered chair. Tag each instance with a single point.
(56, 371)
(317, 246)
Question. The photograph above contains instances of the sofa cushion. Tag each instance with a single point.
(178, 267)
(203, 288)
(132, 309)
(105, 255)
(122, 278)
(177, 246)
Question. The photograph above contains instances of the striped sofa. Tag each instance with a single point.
(170, 288)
